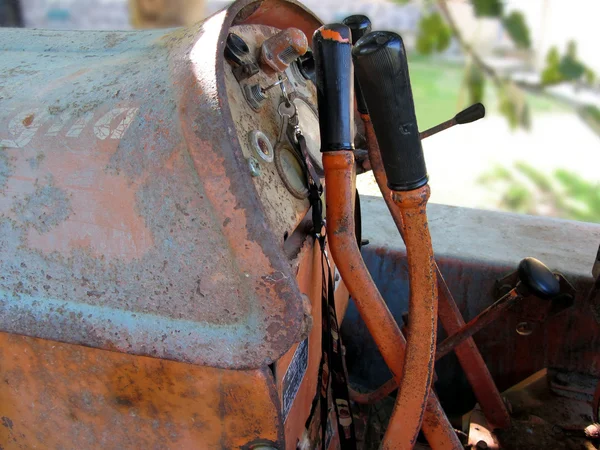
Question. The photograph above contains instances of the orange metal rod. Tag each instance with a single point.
(339, 180)
(474, 366)
(422, 326)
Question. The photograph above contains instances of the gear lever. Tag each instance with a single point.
(382, 70)
(335, 85)
(468, 115)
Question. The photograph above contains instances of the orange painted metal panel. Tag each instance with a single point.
(57, 395)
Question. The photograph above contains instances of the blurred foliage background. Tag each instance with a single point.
(518, 186)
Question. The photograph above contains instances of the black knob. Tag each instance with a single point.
(332, 50)
(538, 279)
(359, 26)
(236, 49)
(382, 70)
(471, 114)
(306, 64)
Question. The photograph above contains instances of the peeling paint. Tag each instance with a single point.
(45, 209)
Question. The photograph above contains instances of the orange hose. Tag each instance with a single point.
(340, 181)
(470, 359)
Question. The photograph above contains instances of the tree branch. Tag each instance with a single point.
(467, 48)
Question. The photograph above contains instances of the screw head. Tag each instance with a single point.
(254, 166)
(524, 328)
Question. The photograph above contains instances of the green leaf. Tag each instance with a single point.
(518, 198)
(475, 83)
(589, 75)
(553, 57)
(434, 35)
(570, 68)
(551, 73)
(591, 116)
(572, 49)
(513, 106)
(535, 176)
(515, 26)
(488, 8)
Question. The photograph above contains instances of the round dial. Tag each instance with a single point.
(291, 171)
(308, 121)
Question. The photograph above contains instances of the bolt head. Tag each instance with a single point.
(254, 166)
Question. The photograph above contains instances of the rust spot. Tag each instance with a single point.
(7, 422)
(124, 401)
(113, 39)
(333, 35)
(6, 168)
(27, 121)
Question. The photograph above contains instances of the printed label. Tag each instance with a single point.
(293, 377)
(26, 125)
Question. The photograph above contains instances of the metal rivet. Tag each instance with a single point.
(254, 167)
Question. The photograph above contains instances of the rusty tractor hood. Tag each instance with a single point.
(128, 218)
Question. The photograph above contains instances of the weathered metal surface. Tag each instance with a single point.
(471, 261)
(483, 319)
(128, 218)
(421, 337)
(67, 396)
(450, 317)
(282, 209)
(339, 176)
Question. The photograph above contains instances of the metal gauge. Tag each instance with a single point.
(308, 121)
(291, 171)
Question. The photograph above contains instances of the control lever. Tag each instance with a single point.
(359, 26)
(470, 359)
(535, 278)
(382, 70)
(335, 86)
(471, 114)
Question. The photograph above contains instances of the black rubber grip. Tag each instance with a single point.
(382, 69)
(537, 279)
(334, 73)
(471, 114)
(359, 26)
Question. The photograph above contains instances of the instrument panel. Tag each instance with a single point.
(268, 106)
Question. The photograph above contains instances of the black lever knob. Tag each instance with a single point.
(537, 279)
(359, 26)
(471, 114)
(382, 69)
(332, 49)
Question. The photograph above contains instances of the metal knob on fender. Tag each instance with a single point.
(359, 26)
(280, 50)
(334, 74)
(382, 71)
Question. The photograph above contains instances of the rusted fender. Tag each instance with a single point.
(126, 219)
(61, 395)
